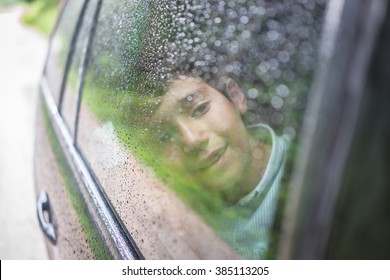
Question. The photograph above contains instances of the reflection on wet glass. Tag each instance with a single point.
(69, 101)
(210, 95)
(59, 47)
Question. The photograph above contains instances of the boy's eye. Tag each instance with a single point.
(201, 109)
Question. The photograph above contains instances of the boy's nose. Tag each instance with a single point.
(193, 135)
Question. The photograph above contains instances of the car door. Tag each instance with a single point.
(104, 191)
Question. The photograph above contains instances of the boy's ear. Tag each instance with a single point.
(236, 95)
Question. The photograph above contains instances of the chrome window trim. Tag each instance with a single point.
(126, 248)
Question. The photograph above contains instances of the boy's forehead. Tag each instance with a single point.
(182, 87)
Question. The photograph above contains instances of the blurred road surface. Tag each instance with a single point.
(22, 52)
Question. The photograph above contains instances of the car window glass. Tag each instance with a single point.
(73, 82)
(60, 46)
(189, 114)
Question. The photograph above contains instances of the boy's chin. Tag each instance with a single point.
(217, 184)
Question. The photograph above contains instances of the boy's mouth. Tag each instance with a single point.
(211, 157)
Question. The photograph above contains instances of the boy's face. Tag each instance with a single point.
(201, 130)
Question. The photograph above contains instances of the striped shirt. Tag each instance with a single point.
(250, 226)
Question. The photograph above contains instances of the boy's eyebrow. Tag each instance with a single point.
(190, 97)
(184, 103)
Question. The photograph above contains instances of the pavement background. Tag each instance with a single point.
(22, 53)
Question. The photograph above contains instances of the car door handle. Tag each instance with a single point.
(46, 221)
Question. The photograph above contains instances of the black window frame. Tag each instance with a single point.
(351, 31)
